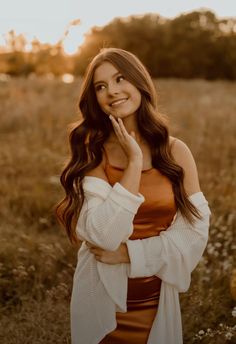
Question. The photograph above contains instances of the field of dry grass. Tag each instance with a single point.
(36, 259)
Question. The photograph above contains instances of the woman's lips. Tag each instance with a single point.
(118, 102)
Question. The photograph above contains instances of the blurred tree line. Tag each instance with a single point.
(192, 45)
(42, 59)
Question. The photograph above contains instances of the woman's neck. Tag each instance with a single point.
(130, 125)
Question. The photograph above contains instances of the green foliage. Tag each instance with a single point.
(194, 45)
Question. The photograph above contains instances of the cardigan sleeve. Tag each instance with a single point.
(174, 254)
(106, 217)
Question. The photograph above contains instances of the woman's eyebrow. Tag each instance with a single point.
(99, 81)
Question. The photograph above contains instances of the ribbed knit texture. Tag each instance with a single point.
(99, 290)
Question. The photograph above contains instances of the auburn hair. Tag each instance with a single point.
(88, 136)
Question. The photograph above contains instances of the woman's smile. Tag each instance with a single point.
(114, 93)
(118, 102)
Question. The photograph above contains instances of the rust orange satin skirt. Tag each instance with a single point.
(133, 327)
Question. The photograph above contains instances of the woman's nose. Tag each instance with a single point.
(113, 89)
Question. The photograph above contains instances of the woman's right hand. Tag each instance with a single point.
(127, 141)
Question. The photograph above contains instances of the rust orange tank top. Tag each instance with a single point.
(154, 215)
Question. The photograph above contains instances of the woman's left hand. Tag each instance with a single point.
(110, 257)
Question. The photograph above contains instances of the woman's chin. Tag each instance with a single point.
(121, 114)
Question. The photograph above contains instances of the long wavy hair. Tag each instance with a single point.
(89, 135)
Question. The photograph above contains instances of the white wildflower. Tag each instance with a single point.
(228, 335)
(234, 312)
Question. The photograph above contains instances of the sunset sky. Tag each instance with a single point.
(48, 19)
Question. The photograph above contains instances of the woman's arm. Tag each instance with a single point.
(174, 254)
(184, 158)
(130, 179)
(106, 218)
(171, 255)
(119, 256)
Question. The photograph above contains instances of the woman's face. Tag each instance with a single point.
(115, 95)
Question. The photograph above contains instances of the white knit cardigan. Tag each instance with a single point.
(100, 290)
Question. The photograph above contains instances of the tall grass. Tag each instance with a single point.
(36, 259)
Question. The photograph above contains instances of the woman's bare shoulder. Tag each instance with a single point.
(184, 158)
(179, 149)
(172, 139)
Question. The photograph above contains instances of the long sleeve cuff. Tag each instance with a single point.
(125, 198)
(137, 265)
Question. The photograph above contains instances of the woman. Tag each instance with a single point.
(133, 199)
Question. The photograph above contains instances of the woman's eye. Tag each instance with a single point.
(120, 78)
(99, 87)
